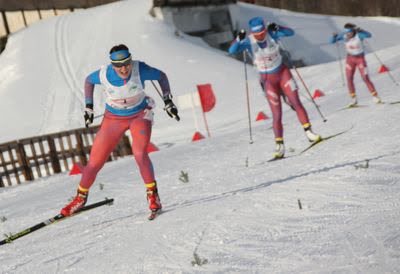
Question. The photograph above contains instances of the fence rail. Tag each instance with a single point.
(41, 156)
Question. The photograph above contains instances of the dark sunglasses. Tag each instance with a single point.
(120, 64)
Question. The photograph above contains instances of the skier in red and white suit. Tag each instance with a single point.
(353, 38)
(262, 45)
(127, 108)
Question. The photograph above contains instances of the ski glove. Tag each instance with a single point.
(89, 114)
(358, 29)
(241, 35)
(170, 107)
(273, 27)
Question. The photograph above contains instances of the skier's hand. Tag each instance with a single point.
(242, 35)
(334, 36)
(89, 114)
(170, 107)
(273, 27)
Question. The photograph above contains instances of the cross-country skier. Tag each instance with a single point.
(353, 37)
(276, 79)
(127, 108)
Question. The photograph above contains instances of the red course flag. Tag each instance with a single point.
(207, 97)
(151, 147)
(317, 94)
(261, 116)
(197, 136)
(76, 169)
(383, 69)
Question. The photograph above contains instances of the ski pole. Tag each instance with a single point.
(159, 93)
(247, 95)
(380, 61)
(302, 81)
(98, 116)
(340, 63)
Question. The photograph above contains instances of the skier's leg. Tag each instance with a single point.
(362, 66)
(290, 89)
(350, 70)
(273, 97)
(141, 132)
(272, 92)
(106, 139)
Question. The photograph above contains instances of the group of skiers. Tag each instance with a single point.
(128, 107)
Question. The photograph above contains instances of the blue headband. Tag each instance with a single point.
(120, 55)
(256, 24)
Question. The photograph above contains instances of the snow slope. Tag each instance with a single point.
(237, 214)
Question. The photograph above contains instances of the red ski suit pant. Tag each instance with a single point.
(353, 62)
(111, 130)
(276, 83)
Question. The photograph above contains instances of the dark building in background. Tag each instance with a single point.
(336, 7)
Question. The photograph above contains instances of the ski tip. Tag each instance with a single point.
(110, 201)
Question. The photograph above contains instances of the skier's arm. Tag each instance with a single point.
(91, 80)
(337, 37)
(362, 34)
(278, 31)
(239, 46)
(150, 73)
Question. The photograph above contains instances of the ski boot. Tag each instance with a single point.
(279, 149)
(77, 203)
(152, 197)
(312, 137)
(353, 102)
(377, 100)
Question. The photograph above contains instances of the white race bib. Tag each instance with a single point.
(266, 59)
(127, 96)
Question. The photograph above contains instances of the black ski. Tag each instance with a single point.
(58, 217)
(351, 106)
(324, 139)
(395, 103)
(274, 159)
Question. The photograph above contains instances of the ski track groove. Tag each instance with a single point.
(64, 65)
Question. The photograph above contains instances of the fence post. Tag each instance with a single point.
(23, 162)
(80, 148)
(55, 163)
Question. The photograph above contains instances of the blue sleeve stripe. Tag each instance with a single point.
(88, 100)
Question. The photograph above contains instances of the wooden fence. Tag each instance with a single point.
(41, 156)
